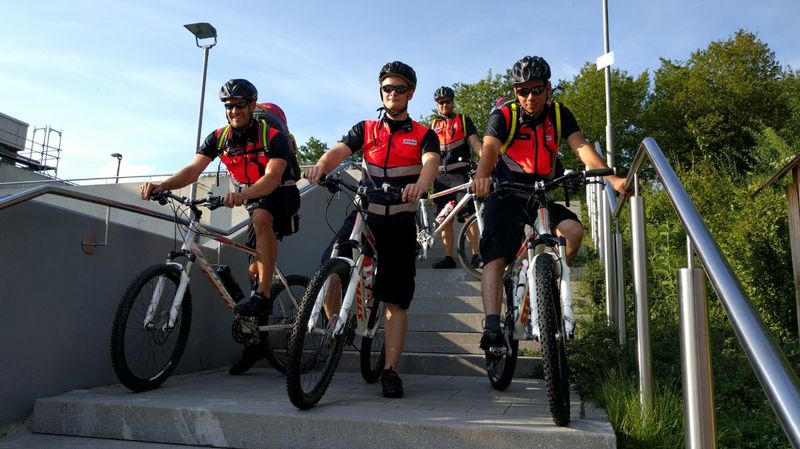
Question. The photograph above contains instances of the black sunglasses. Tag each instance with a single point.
(240, 105)
(525, 91)
(444, 102)
(388, 88)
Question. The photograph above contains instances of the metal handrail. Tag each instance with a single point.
(776, 376)
(20, 197)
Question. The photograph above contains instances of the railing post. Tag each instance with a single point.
(619, 288)
(698, 399)
(639, 251)
(608, 262)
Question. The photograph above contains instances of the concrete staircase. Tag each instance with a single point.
(448, 403)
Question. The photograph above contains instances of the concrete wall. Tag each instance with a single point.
(57, 304)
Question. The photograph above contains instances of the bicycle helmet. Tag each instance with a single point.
(400, 69)
(238, 88)
(530, 68)
(443, 92)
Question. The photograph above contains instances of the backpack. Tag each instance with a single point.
(274, 116)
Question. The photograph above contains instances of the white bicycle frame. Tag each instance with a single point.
(191, 249)
(356, 264)
(425, 237)
(527, 304)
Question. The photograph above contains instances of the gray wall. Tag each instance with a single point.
(57, 304)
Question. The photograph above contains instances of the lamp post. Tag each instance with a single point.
(119, 161)
(202, 31)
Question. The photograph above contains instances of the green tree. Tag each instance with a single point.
(310, 152)
(718, 96)
(585, 97)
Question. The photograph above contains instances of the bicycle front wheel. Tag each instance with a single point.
(553, 339)
(145, 352)
(284, 311)
(373, 350)
(500, 367)
(314, 350)
(467, 248)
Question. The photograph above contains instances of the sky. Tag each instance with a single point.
(125, 76)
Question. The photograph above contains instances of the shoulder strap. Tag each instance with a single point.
(222, 137)
(463, 124)
(264, 135)
(512, 128)
(558, 123)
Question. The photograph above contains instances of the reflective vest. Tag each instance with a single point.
(392, 157)
(452, 132)
(531, 150)
(246, 165)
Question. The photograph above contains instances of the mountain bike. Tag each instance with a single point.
(538, 296)
(327, 320)
(152, 322)
(469, 235)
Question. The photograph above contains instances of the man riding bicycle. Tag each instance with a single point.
(259, 158)
(521, 145)
(399, 151)
(458, 138)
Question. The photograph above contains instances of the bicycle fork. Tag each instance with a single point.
(176, 300)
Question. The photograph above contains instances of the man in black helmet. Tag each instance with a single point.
(527, 156)
(399, 151)
(256, 154)
(458, 138)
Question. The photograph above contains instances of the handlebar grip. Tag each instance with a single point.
(599, 172)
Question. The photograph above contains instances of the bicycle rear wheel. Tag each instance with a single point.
(284, 311)
(314, 351)
(143, 354)
(466, 250)
(553, 339)
(500, 367)
(373, 350)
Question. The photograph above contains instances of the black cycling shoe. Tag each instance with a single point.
(447, 262)
(258, 305)
(250, 355)
(391, 383)
(491, 339)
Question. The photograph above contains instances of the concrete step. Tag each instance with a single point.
(212, 409)
(452, 343)
(446, 304)
(445, 364)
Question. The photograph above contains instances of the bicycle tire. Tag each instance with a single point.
(553, 340)
(464, 250)
(373, 350)
(284, 311)
(313, 357)
(144, 358)
(501, 371)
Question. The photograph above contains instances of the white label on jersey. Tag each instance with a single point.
(410, 141)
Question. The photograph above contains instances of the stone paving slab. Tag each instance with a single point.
(252, 411)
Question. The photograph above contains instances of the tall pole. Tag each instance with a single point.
(609, 126)
(206, 48)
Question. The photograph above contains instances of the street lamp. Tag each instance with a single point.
(119, 160)
(202, 31)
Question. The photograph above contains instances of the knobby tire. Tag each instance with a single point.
(284, 311)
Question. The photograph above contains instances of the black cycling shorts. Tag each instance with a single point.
(445, 181)
(283, 204)
(504, 221)
(396, 242)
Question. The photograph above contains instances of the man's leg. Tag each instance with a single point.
(572, 231)
(447, 239)
(267, 251)
(395, 326)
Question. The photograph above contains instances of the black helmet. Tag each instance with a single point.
(443, 92)
(530, 68)
(400, 69)
(238, 88)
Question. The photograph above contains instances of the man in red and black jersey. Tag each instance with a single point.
(399, 151)
(257, 154)
(529, 155)
(458, 139)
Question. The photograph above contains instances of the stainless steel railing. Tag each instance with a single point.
(776, 376)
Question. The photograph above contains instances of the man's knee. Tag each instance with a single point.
(262, 221)
(571, 230)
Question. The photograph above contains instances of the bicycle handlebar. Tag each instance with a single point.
(211, 202)
(390, 193)
(571, 180)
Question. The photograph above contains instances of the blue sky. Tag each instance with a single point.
(124, 76)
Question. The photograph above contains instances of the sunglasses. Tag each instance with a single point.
(240, 105)
(388, 88)
(444, 102)
(525, 91)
